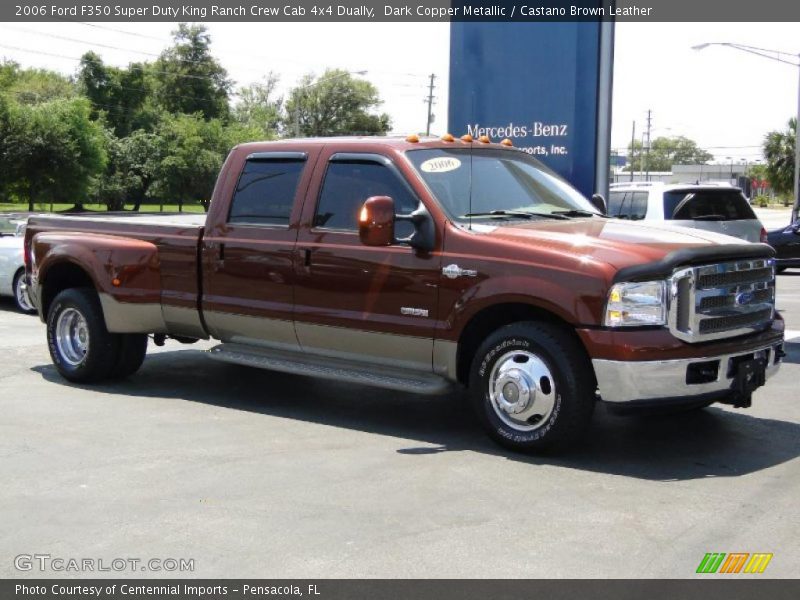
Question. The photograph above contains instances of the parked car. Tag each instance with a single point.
(13, 281)
(418, 265)
(786, 242)
(712, 207)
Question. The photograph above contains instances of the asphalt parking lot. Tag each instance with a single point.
(252, 473)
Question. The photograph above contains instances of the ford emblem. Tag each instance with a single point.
(743, 298)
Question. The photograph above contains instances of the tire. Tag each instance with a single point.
(21, 297)
(132, 349)
(80, 346)
(556, 373)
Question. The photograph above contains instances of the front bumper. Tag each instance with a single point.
(667, 380)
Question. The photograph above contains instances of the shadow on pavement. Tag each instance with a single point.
(705, 443)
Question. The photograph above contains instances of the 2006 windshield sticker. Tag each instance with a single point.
(440, 165)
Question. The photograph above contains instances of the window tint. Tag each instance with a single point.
(638, 206)
(348, 184)
(627, 205)
(615, 203)
(711, 205)
(265, 192)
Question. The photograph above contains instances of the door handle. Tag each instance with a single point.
(307, 257)
(219, 263)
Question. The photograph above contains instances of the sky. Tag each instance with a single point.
(724, 99)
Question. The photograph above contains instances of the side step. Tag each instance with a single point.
(331, 368)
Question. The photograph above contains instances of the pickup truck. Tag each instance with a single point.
(419, 265)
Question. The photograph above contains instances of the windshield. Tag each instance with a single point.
(503, 181)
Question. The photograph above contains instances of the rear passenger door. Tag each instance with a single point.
(248, 259)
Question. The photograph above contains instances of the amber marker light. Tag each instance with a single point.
(448, 137)
(507, 142)
(466, 138)
(484, 139)
(413, 138)
(116, 282)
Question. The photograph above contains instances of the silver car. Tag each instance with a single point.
(718, 208)
(12, 263)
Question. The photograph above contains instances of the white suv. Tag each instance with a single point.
(713, 207)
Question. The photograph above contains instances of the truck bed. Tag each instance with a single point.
(176, 238)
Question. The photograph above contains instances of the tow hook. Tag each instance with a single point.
(742, 400)
(159, 339)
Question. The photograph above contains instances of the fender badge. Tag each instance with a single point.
(454, 271)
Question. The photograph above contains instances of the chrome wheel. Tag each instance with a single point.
(522, 390)
(21, 295)
(72, 336)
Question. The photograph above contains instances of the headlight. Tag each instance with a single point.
(636, 304)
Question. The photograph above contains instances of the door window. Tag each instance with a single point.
(349, 183)
(265, 192)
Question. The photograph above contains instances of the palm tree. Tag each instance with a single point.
(779, 149)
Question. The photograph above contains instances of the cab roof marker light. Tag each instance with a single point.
(413, 138)
(484, 139)
(466, 138)
(448, 137)
(507, 142)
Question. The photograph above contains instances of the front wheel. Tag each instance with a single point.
(21, 297)
(532, 387)
(81, 347)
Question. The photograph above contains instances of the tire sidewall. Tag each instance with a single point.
(20, 275)
(103, 348)
(482, 374)
(573, 379)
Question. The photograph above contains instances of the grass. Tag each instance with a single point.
(17, 207)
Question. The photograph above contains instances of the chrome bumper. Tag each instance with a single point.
(629, 381)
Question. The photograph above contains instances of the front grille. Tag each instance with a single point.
(734, 322)
(722, 300)
(762, 295)
(733, 278)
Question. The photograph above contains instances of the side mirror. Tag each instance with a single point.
(376, 221)
(599, 203)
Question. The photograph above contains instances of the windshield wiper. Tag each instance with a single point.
(575, 212)
(514, 213)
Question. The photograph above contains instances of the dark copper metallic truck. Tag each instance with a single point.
(416, 265)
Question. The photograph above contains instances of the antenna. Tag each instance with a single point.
(470, 165)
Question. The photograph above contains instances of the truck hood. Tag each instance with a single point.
(617, 243)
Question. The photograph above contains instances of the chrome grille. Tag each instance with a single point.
(711, 302)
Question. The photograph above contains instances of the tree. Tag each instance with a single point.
(191, 152)
(131, 169)
(188, 79)
(57, 149)
(119, 96)
(665, 152)
(335, 104)
(258, 106)
(779, 150)
(33, 86)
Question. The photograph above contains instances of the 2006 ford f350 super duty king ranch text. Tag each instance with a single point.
(414, 265)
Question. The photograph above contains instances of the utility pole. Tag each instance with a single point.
(431, 87)
(633, 147)
(647, 149)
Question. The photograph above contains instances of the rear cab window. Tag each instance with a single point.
(706, 205)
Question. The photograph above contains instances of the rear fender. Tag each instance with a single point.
(124, 271)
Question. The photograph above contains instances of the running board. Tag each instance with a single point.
(331, 368)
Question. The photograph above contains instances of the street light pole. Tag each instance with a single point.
(776, 56)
